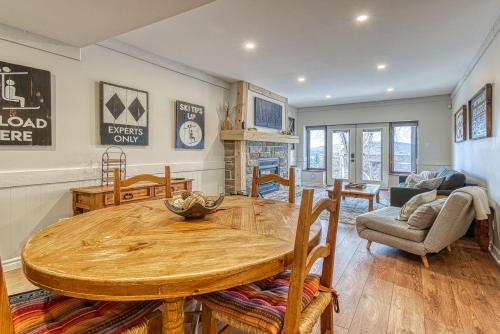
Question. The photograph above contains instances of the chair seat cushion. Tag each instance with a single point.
(384, 221)
(54, 314)
(261, 304)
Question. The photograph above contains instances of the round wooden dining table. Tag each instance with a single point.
(142, 251)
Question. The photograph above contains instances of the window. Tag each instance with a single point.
(316, 147)
(403, 146)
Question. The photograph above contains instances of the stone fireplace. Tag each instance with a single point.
(272, 157)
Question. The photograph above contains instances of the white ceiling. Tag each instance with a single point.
(83, 22)
(427, 45)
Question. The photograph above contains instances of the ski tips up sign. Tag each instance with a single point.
(25, 106)
(190, 125)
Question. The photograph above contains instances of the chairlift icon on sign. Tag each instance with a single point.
(9, 91)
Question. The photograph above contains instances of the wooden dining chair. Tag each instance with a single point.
(290, 182)
(119, 183)
(66, 314)
(293, 301)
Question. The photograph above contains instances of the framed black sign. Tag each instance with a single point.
(25, 106)
(480, 113)
(268, 114)
(124, 115)
(461, 124)
(190, 125)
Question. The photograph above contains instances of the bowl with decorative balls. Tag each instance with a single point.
(193, 205)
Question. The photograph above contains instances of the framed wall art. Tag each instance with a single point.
(25, 106)
(480, 113)
(124, 115)
(461, 124)
(291, 129)
(190, 126)
(268, 114)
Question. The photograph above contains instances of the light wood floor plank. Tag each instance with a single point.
(407, 304)
(475, 312)
(372, 312)
(351, 284)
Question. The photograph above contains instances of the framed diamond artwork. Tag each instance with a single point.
(124, 115)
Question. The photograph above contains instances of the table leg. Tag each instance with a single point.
(370, 204)
(378, 197)
(173, 316)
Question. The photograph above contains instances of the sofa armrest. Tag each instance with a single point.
(399, 195)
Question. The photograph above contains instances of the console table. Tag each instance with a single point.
(98, 197)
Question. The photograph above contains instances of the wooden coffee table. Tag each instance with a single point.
(370, 192)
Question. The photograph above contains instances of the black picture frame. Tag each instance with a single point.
(25, 106)
(480, 108)
(189, 126)
(461, 124)
(291, 129)
(123, 115)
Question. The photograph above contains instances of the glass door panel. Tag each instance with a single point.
(371, 165)
(341, 153)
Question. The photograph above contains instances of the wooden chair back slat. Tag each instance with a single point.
(304, 259)
(142, 178)
(322, 205)
(317, 252)
(290, 182)
(165, 181)
(6, 325)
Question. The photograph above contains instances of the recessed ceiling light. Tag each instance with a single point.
(362, 18)
(381, 67)
(301, 79)
(390, 89)
(328, 96)
(250, 45)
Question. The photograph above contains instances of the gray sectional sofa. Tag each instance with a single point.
(451, 224)
(452, 180)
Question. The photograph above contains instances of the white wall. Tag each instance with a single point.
(480, 159)
(35, 182)
(432, 114)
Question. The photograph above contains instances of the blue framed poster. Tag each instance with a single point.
(190, 126)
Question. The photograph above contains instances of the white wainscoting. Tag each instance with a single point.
(31, 200)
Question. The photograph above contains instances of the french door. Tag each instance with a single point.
(358, 153)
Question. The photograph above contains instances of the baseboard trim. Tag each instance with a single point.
(495, 252)
(11, 264)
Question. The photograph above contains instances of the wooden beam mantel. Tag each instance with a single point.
(248, 135)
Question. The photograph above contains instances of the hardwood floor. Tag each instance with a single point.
(384, 290)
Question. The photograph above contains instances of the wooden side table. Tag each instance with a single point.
(98, 197)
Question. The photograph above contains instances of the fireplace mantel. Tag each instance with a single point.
(247, 135)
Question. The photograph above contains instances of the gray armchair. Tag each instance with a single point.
(451, 224)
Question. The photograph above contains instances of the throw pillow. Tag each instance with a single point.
(412, 180)
(425, 215)
(426, 174)
(429, 184)
(415, 202)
